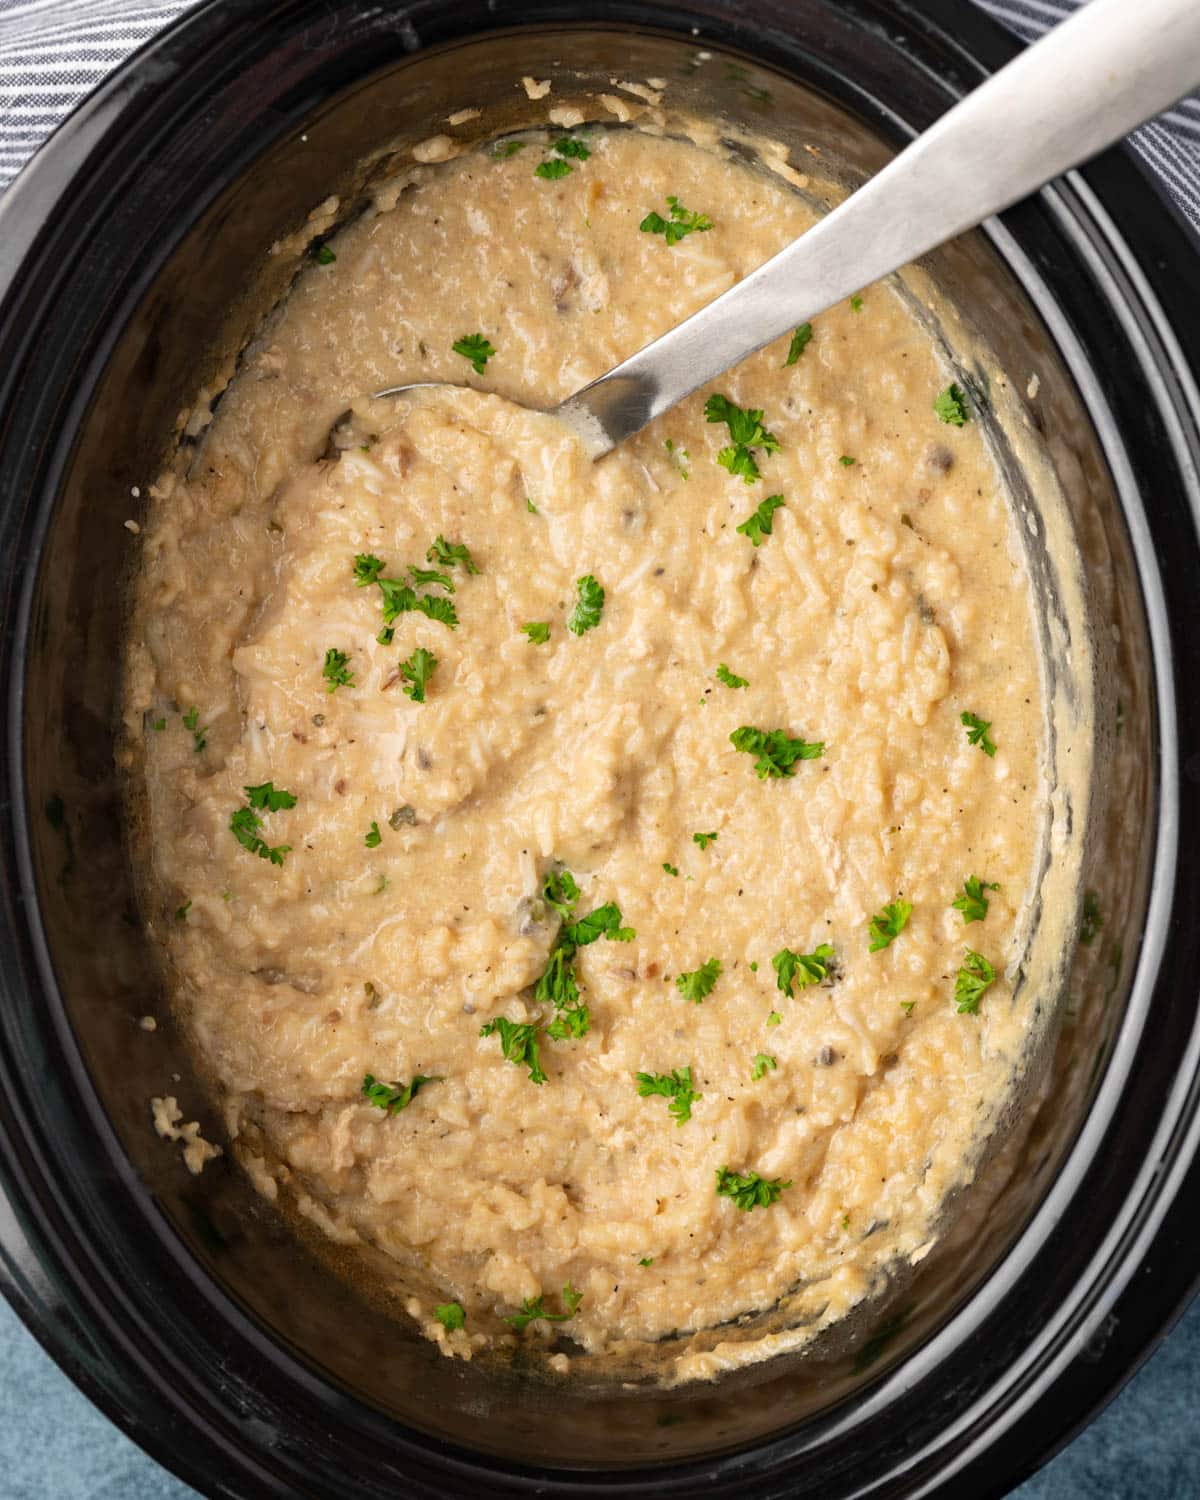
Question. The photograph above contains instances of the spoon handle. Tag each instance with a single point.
(1091, 80)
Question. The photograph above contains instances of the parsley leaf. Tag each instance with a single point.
(758, 523)
(745, 431)
(646, 1260)
(325, 256)
(367, 568)
(502, 150)
(748, 1190)
(973, 903)
(704, 839)
(538, 631)
(552, 168)
(731, 679)
(605, 921)
(373, 837)
(475, 347)
(977, 732)
(951, 405)
(423, 576)
(417, 671)
(678, 456)
(846, 461)
(589, 606)
(571, 1024)
(675, 1086)
(335, 670)
(670, 869)
(534, 1308)
(182, 911)
(569, 146)
(803, 969)
(697, 985)
(800, 341)
(557, 983)
(244, 824)
(972, 981)
(450, 1314)
(191, 721)
(447, 554)
(393, 1097)
(438, 609)
(888, 924)
(762, 1063)
(1092, 921)
(519, 1043)
(682, 221)
(856, 303)
(560, 891)
(266, 797)
(777, 752)
(774, 1019)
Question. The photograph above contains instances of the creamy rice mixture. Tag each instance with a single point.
(670, 763)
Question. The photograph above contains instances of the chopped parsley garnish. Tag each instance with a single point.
(373, 837)
(777, 752)
(951, 405)
(589, 606)
(681, 221)
(325, 256)
(553, 167)
(569, 146)
(182, 911)
(762, 1063)
(244, 825)
(646, 1260)
(908, 1006)
(476, 348)
(670, 869)
(534, 1308)
(158, 725)
(973, 903)
(450, 1314)
(519, 1043)
(800, 342)
(675, 1086)
(393, 1097)
(758, 523)
(731, 679)
(977, 732)
(774, 1019)
(561, 892)
(856, 303)
(502, 150)
(367, 568)
(1092, 921)
(559, 984)
(887, 925)
(748, 1190)
(846, 461)
(538, 631)
(417, 671)
(802, 969)
(704, 839)
(697, 985)
(972, 981)
(267, 798)
(191, 721)
(336, 670)
(448, 554)
(746, 432)
(424, 576)
(678, 456)
(438, 609)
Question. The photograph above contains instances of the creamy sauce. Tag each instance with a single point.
(888, 598)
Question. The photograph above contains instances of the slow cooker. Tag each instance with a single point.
(133, 251)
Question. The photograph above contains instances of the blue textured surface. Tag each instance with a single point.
(1146, 1446)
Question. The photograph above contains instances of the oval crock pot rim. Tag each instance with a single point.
(70, 139)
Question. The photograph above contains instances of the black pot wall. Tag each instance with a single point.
(182, 1306)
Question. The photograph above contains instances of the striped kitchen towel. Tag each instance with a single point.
(53, 52)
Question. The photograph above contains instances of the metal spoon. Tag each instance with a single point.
(1094, 78)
